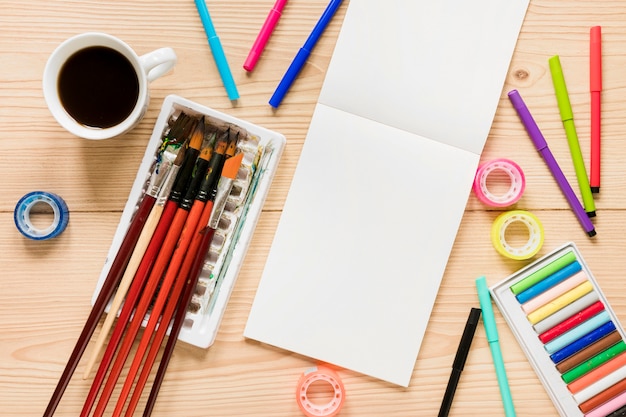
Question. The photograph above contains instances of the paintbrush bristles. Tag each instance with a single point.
(197, 137)
(231, 166)
(180, 156)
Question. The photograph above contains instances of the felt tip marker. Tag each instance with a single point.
(595, 84)
(303, 54)
(567, 117)
(542, 147)
(491, 330)
(218, 51)
(264, 34)
(459, 360)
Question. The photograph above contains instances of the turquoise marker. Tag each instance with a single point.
(217, 50)
(489, 321)
(567, 117)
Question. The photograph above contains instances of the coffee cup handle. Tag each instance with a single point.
(158, 62)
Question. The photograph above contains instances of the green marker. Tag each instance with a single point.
(567, 117)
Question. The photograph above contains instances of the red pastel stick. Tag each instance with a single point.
(571, 322)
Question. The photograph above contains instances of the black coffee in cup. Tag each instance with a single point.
(98, 87)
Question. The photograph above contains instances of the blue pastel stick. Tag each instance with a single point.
(578, 332)
(583, 342)
(549, 282)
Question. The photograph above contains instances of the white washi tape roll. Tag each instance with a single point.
(25, 225)
(499, 234)
(516, 182)
(312, 409)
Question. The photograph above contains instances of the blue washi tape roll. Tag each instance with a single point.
(22, 215)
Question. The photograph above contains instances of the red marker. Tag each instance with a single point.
(595, 83)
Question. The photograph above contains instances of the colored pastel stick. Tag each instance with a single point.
(571, 322)
(598, 373)
(599, 386)
(621, 412)
(595, 87)
(567, 117)
(583, 342)
(567, 311)
(218, 51)
(594, 362)
(494, 344)
(560, 302)
(264, 34)
(613, 408)
(555, 291)
(604, 396)
(543, 273)
(577, 332)
(589, 352)
(542, 147)
(303, 53)
(550, 281)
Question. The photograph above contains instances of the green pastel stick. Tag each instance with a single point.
(594, 362)
(543, 273)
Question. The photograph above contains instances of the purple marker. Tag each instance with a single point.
(542, 146)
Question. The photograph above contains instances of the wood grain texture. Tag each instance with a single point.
(46, 287)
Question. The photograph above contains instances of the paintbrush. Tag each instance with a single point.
(180, 185)
(190, 272)
(138, 253)
(170, 243)
(111, 282)
(172, 279)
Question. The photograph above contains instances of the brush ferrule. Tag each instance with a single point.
(223, 190)
(166, 188)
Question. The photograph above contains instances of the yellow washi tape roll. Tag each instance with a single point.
(499, 234)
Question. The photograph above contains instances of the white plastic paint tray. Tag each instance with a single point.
(262, 151)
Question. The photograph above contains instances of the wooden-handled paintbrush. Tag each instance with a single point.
(111, 281)
(172, 279)
(180, 185)
(188, 277)
(135, 260)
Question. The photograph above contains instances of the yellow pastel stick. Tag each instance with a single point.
(559, 302)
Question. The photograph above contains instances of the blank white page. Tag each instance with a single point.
(378, 195)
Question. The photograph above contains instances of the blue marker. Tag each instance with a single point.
(303, 54)
(217, 50)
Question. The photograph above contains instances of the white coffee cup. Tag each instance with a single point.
(97, 87)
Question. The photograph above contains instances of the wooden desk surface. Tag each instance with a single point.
(46, 286)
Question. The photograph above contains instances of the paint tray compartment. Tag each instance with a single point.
(262, 150)
(568, 331)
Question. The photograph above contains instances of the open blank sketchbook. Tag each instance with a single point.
(383, 179)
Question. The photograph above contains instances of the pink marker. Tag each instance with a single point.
(264, 35)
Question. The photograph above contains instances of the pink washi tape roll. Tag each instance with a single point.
(313, 409)
(516, 182)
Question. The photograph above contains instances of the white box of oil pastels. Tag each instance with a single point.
(262, 150)
(568, 331)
